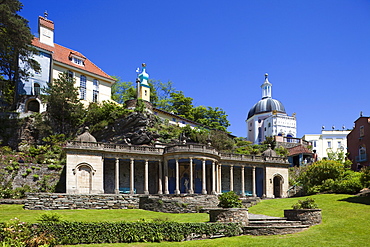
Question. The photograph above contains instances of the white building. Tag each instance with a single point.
(268, 118)
(93, 83)
(328, 140)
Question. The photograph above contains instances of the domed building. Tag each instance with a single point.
(269, 118)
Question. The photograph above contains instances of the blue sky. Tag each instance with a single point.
(316, 52)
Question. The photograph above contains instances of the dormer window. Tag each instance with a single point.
(77, 61)
(77, 58)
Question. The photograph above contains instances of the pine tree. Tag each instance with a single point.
(65, 110)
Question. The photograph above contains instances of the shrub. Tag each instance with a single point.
(308, 203)
(365, 176)
(229, 200)
(49, 217)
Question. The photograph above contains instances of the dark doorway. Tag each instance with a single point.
(277, 186)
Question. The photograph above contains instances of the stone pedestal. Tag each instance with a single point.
(306, 216)
(229, 215)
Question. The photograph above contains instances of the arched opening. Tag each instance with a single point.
(277, 186)
(33, 105)
(83, 179)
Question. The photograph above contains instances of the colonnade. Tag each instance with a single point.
(163, 176)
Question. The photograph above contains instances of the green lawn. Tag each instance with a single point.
(346, 222)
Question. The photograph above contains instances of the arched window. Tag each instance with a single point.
(82, 87)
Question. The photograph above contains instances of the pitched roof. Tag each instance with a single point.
(46, 23)
(300, 149)
(63, 54)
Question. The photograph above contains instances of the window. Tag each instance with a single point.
(95, 90)
(82, 87)
(36, 89)
(339, 144)
(362, 131)
(70, 74)
(329, 144)
(77, 61)
(314, 144)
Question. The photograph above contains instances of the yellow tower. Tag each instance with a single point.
(143, 87)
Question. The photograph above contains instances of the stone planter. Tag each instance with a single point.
(229, 215)
(306, 216)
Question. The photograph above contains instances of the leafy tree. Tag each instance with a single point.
(122, 91)
(100, 115)
(213, 118)
(15, 49)
(163, 92)
(64, 107)
(181, 105)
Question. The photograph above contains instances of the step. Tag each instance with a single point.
(273, 230)
(273, 223)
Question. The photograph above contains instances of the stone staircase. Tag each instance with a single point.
(267, 225)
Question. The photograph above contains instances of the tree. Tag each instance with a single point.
(122, 91)
(64, 107)
(213, 118)
(15, 49)
(181, 105)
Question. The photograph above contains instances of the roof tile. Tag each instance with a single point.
(62, 54)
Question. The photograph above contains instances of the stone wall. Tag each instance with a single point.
(306, 216)
(229, 215)
(53, 201)
(178, 203)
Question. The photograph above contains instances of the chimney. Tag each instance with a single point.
(46, 31)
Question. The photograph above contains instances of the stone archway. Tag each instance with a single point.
(277, 182)
(83, 177)
(33, 105)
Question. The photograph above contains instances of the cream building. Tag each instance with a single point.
(93, 83)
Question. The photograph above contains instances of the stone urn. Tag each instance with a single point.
(229, 215)
(306, 216)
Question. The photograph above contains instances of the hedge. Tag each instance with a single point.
(125, 232)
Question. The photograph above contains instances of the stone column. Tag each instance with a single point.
(254, 181)
(177, 190)
(243, 182)
(116, 184)
(160, 177)
(213, 179)
(231, 178)
(191, 188)
(220, 178)
(132, 167)
(166, 177)
(204, 190)
(146, 178)
(264, 182)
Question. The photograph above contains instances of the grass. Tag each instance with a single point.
(346, 220)
(8, 212)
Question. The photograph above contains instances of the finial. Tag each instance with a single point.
(46, 14)
(266, 75)
(343, 127)
(143, 65)
(360, 113)
(323, 127)
(333, 127)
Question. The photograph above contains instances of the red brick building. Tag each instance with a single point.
(358, 141)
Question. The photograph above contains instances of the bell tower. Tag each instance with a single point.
(143, 86)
